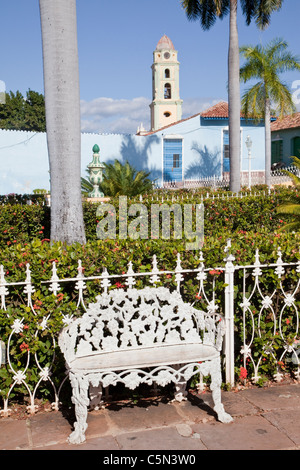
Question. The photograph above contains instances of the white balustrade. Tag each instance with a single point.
(279, 309)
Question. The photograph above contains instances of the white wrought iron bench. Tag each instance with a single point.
(140, 336)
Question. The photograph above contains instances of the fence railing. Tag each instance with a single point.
(278, 176)
(259, 302)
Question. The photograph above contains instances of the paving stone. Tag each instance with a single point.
(276, 397)
(237, 405)
(49, 428)
(201, 406)
(196, 409)
(267, 419)
(131, 418)
(14, 434)
(158, 439)
(95, 443)
(97, 424)
(246, 433)
(287, 421)
(184, 430)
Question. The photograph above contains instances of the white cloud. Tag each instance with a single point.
(191, 106)
(108, 115)
(113, 115)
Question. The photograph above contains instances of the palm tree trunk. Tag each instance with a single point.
(267, 142)
(234, 100)
(62, 102)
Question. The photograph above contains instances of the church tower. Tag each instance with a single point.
(166, 103)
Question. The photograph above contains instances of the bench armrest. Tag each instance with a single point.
(212, 327)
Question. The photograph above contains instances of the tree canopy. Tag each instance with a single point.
(265, 64)
(23, 113)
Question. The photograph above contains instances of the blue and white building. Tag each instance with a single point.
(174, 149)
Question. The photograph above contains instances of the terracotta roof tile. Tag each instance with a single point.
(288, 122)
(219, 110)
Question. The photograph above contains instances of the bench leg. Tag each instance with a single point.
(80, 399)
(216, 381)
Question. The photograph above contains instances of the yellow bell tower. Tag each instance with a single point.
(166, 103)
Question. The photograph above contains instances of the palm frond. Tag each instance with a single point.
(290, 227)
(206, 11)
(263, 11)
(86, 186)
(253, 102)
(293, 209)
(124, 180)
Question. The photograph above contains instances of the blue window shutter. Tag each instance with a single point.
(172, 150)
(226, 161)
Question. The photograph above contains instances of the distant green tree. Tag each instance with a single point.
(34, 110)
(23, 114)
(12, 111)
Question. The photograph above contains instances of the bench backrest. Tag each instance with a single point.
(122, 319)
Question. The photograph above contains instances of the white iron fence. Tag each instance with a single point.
(278, 177)
(260, 304)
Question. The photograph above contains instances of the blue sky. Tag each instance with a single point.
(116, 41)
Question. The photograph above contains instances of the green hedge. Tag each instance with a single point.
(250, 222)
(22, 223)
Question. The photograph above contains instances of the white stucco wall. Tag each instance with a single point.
(24, 155)
(23, 162)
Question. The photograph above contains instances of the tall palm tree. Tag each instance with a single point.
(265, 63)
(62, 102)
(207, 11)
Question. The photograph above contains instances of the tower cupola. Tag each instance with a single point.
(166, 103)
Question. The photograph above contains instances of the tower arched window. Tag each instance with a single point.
(167, 73)
(167, 91)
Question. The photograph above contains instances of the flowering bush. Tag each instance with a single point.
(20, 222)
(251, 223)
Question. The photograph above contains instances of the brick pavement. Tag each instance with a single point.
(264, 419)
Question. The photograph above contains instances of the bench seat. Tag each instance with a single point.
(139, 358)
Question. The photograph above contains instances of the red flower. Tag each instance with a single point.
(243, 373)
(214, 272)
(24, 346)
(119, 285)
